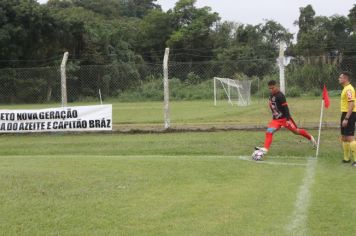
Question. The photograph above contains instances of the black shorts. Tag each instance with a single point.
(349, 130)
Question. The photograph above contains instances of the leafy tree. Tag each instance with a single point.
(223, 34)
(352, 17)
(192, 31)
(349, 60)
(274, 33)
(59, 3)
(27, 32)
(140, 8)
(306, 21)
(253, 49)
(153, 32)
(321, 36)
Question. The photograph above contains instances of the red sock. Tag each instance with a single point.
(268, 140)
(304, 133)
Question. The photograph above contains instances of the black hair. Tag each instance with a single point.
(272, 83)
(347, 74)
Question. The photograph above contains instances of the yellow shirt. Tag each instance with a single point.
(347, 95)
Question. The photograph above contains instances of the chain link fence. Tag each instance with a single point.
(29, 85)
(189, 81)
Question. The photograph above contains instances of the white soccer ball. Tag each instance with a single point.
(258, 155)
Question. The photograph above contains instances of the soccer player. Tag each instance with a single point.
(348, 117)
(281, 118)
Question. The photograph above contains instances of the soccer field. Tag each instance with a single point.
(173, 184)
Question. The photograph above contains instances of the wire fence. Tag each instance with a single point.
(143, 82)
(136, 89)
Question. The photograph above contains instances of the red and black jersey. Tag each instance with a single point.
(279, 106)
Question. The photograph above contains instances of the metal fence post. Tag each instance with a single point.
(64, 79)
(281, 58)
(167, 121)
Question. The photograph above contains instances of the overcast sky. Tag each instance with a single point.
(282, 11)
(255, 11)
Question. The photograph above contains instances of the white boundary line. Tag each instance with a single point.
(247, 158)
(243, 158)
(206, 157)
(297, 225)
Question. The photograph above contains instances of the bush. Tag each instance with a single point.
(308, 77)
(315, 92)
(293, 92)
(193, 78)
(152, 90)
(260, 88)
(182, 91)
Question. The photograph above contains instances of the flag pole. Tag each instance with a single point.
(321, 121)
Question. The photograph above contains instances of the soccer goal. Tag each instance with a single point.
(237, 92)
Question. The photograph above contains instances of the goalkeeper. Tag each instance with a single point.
(281, 118)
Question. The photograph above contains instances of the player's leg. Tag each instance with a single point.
(273, 126)
(346, 146)
(290, 125)
(353, 150)
(348, 137)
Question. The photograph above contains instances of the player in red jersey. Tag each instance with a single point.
(281, 118)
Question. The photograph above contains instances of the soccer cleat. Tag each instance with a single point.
(354, 164)
(346, 161)
(263, 149)
(313, 142)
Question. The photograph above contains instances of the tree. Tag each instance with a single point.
(28, 31)
(253, 49)
(324, 39)
(223, 34)
(349, 59)
(140, 8)
(153, 32)
(192, 31)
(107, 8)
(337, 30)
(306, 20)
(352, 17)
(59, 3)
(274, 33)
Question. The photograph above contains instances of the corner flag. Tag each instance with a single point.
(325, 102)
(326, 97)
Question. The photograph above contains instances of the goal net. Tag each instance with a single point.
(237, 92)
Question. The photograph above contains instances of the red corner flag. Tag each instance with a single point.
(326, 97)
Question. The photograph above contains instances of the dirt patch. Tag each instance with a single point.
(157, 128)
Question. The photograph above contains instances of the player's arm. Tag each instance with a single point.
(348, 114)
(351, 102)
(285, 108)
(350, 109)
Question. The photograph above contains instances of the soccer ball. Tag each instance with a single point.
(258, 155)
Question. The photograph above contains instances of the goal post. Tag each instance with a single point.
(237, 92)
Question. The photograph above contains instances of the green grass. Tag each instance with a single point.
(169, 184)
(305, 110)
(174, 184)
